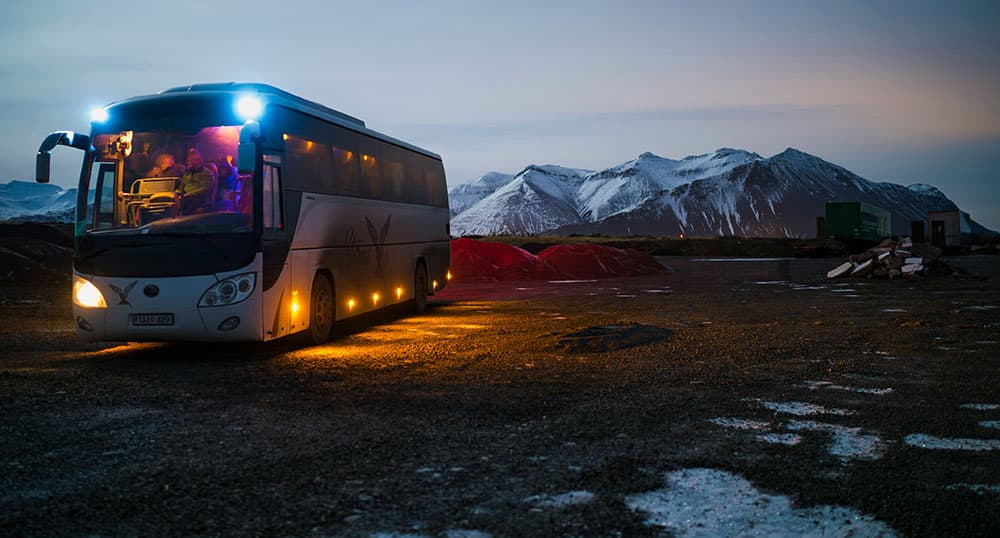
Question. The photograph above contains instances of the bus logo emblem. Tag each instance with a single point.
(123, 293)
(378, 238)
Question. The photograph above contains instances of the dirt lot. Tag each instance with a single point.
(871, 406)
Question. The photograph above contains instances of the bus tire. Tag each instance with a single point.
(322, 309)
(420, 289)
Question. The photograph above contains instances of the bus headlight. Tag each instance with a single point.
(229, 290)
(86, 294)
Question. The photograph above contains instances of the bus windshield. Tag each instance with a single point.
(163, 181)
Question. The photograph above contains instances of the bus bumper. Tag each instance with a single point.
(166, 309)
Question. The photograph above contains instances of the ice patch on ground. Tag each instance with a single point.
(787, 439)
(922, 440)
(740, 423)
(802, 408)
(816, 385)
(894, 310)
(771, 282)
(978, 489)
(571, 281)
(709, 502)
(995, 424)
(979, 308)
(848, 442)
(741, 259)
(570, 498)
(980, 406)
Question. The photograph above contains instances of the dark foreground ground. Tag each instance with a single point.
(485, 417)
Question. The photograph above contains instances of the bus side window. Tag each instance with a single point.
(273, 218)
(416, 179)
(393, 173)
(371, 169)
(345, 162)
(437, 190)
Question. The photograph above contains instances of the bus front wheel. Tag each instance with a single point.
(420, 289)
(321, 309)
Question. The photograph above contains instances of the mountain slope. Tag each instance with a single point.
(38, 201)
(726, 192)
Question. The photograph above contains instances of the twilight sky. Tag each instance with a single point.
(904, 91)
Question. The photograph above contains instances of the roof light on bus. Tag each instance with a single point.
(86, 294)
(99, 115)
(249, 107)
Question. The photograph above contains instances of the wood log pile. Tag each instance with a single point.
(894, 259)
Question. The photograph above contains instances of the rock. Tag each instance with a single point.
(912, 268)
(863, 269)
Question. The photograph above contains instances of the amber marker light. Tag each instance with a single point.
(350, 304)
(399, 293)
(434, 284)
(295, 302)
(375, 298)
(447, 276)
(86, 294)
(284, 136)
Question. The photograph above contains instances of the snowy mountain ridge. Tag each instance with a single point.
(725, 192)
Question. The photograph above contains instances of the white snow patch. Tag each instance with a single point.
(931, 442)
(740, 423)
(802, 408)
(848, 442)
(995, 424)
(624, 296)
(466, 533)
(562, 500)
(816, 385)
(979, 308)
(980, 406)
(657, 291)
(978, 489)
(787, 439)
(710, 502)
(894, 310)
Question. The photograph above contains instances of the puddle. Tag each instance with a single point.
(611, 337)
(826, 385)
(894, 310)
(978, 489)
(572, 281)
(979, 308)
(848, 442)
(980, 406)
(740, 423)
(995, 424)
(710, 502)
(801, 408)
(922, 440)
(562, 500)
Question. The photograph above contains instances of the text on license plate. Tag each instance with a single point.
(152, 319)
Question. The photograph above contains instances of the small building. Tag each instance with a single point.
(951, 228)
(857, 220)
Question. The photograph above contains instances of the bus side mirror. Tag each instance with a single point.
(57, 138)
(246, 153)
(246, 158)
(42, 161)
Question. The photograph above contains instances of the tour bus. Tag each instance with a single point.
(241, 212)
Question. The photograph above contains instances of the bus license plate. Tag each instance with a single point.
(152, 319)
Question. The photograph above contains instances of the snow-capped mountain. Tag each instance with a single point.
(462, 197)
(726, 192)
(27, 200)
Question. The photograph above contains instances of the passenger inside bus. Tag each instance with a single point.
(197, 185)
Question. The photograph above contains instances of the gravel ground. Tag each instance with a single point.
(520, 409)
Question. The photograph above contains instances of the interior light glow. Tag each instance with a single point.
(86, 294)
(98, 115)
(249, 107)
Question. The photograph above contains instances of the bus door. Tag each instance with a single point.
(277, 299)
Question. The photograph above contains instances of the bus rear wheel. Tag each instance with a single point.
(321, 309)
(420, 289)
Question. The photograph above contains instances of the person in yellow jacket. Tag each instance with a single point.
(197, 185)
